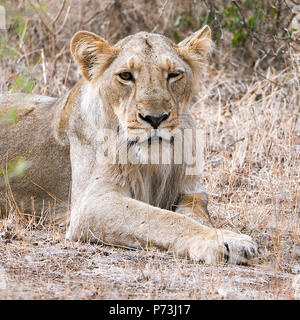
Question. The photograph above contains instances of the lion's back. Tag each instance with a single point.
(26, 137)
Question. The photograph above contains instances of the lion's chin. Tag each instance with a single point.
(155, 150)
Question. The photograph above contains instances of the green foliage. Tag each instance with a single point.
(239, 37)
(10, 50)
(15, 169)
(8, 117)
(44, 6)
(18, 24)
(176, 35)
(6, 51)
(258, 21)
(185, 20)
(251, 22)
(23, 83)
(235, 24)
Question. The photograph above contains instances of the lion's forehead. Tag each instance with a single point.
(139, 40)
(148, 49)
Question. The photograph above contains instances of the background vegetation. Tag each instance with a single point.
(35, 51)
(248, 108)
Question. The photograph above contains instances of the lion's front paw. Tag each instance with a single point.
(222, 245)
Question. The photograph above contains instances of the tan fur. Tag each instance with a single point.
(132, 203)
(63, 122)
(93, 56)
(195, 203)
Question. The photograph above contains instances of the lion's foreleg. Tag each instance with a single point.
(119, 220)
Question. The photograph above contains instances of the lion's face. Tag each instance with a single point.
(149, 85)
(145, 81)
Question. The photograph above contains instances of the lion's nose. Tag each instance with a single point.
(155, 119)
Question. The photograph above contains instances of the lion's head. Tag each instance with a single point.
(144, 83)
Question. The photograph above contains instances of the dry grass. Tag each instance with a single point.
(252, 166)
(252, 127)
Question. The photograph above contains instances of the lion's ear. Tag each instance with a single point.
(92, 53)
(197, 46)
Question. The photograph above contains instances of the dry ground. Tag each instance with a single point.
(41, 265)
(251, 126)
(251, 129)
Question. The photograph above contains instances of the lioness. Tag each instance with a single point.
(139, 89)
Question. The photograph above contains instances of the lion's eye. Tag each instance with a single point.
(173, 75)
(127, 76)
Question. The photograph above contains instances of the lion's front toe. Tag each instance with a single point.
(241, 248)
(223, 246)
